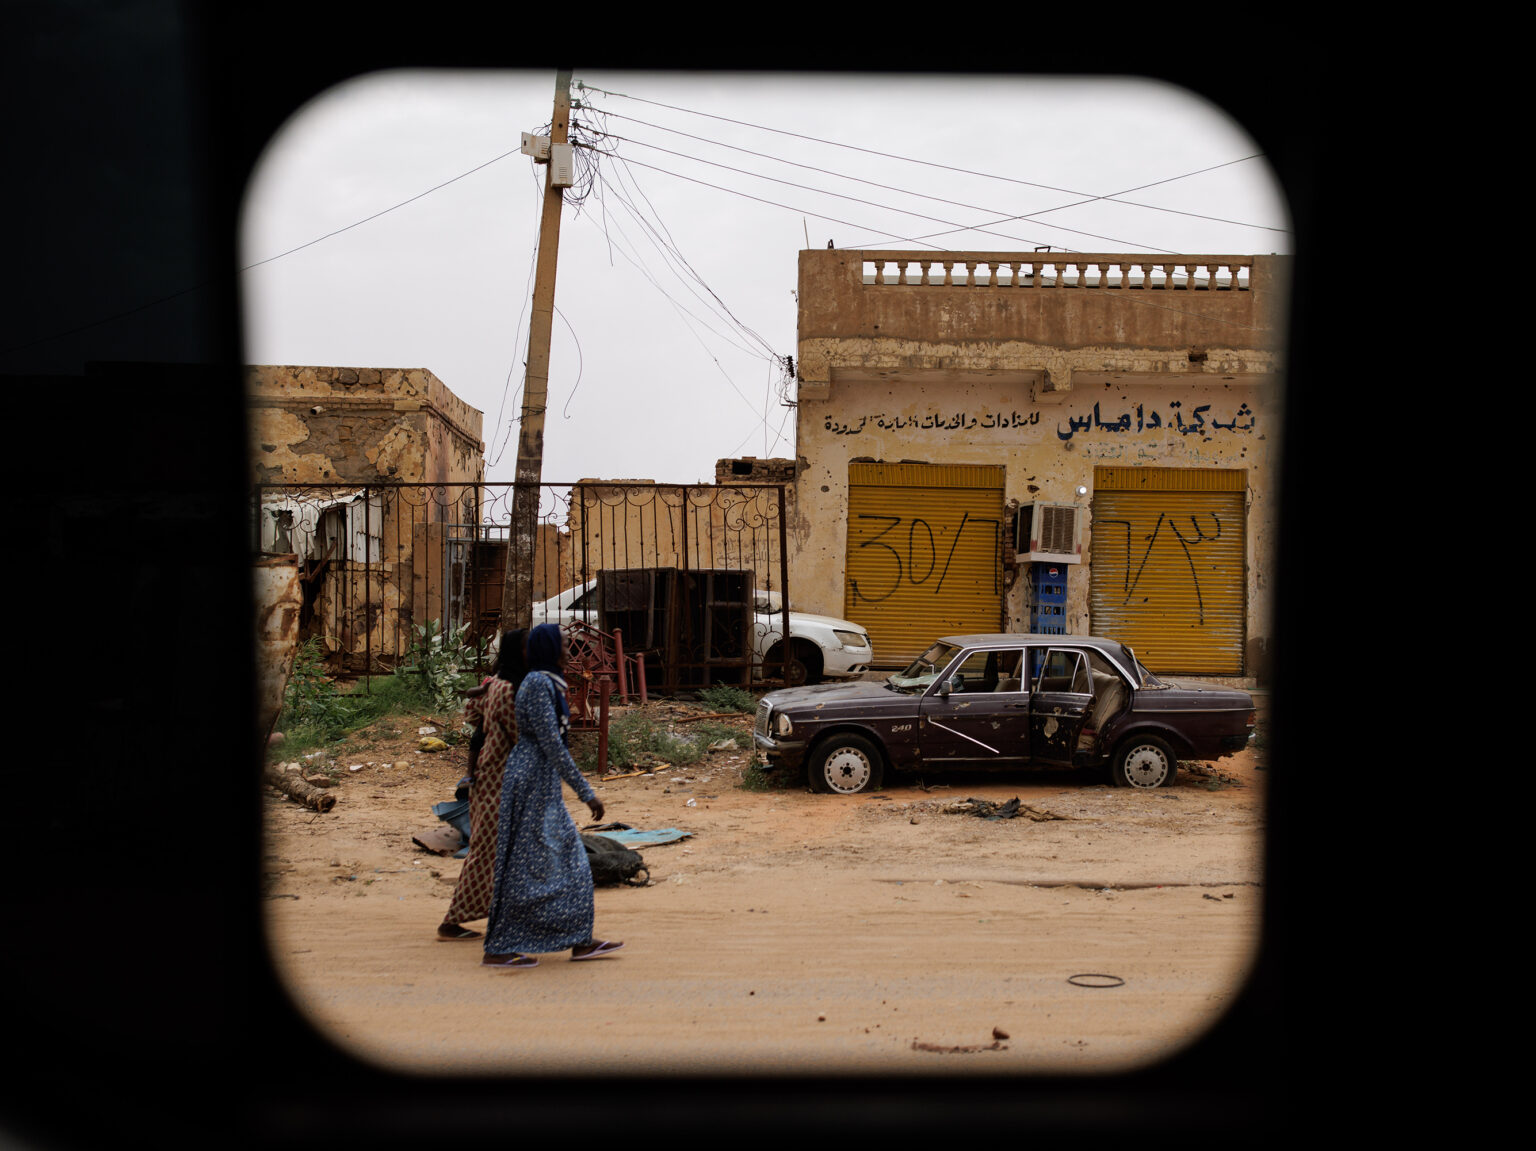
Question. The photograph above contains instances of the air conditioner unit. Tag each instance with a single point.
(1048, 533)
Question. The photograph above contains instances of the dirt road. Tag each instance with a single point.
(792, 931)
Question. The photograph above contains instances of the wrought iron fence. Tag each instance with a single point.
(378, 561)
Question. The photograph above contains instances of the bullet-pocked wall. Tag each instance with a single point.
(375, 559)
(939, 392)
(360, 425)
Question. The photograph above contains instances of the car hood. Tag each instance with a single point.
(823, 694)
(802, 617)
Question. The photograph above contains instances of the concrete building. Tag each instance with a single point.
(375, 557)
(1082, 443)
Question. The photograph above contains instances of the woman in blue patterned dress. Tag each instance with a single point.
(543, 896)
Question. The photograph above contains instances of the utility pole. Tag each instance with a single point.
(517, 592)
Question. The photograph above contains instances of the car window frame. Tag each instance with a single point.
(966, 653)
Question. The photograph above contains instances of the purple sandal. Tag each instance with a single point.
(596, 949)
(515, 962)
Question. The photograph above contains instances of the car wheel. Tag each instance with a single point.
(845, 765)
(803, 666)
(1143, 761)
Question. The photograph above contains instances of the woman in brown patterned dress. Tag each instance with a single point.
(494, 713)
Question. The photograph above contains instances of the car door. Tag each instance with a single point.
(984, 716)
(1060, 702)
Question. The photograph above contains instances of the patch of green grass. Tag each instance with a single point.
(754, 778)
(318, 712)
(727, 697)
(759, 777)
(636, 740)
(708, 732)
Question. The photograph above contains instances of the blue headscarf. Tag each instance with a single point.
(545, 655)
(544, 649)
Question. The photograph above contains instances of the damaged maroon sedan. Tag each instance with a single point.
(1007, 700)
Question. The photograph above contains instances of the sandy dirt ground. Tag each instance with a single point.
(791, 932)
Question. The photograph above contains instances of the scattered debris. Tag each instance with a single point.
(432, 743)
(999, 1033)
(987, 809)
(293, 786)
(439, 840)
(1214, 776)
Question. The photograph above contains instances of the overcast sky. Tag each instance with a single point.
(675, 294)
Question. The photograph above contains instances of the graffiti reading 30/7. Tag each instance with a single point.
(1195, 536)
(1200, 422)
(922, 551)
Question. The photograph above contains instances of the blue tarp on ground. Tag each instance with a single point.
(456, 814)
(632, 837)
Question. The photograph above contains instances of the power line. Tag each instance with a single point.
(669, 255)
(1114, 196)
(890, 208)
(269, 259)
(684, 311)
(931, 163)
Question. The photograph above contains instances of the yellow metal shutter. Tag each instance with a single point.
(923, 554)
(1167, 573)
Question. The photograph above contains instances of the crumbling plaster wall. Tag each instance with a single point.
(360, 425)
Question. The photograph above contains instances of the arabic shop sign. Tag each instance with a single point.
(1200, 421)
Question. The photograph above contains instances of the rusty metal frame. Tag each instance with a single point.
(367, 608)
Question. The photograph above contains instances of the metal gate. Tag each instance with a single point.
(1168, 574)
(378, 561)
(924, 554)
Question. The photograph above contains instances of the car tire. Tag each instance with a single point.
(845, 765)
(804, 665)
(1143, 761)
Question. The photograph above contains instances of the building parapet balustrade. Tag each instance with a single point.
(1058, 270)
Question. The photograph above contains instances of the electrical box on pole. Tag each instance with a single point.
(562, 165)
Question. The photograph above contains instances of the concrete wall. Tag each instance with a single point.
(360, 425)
(1049, 381)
